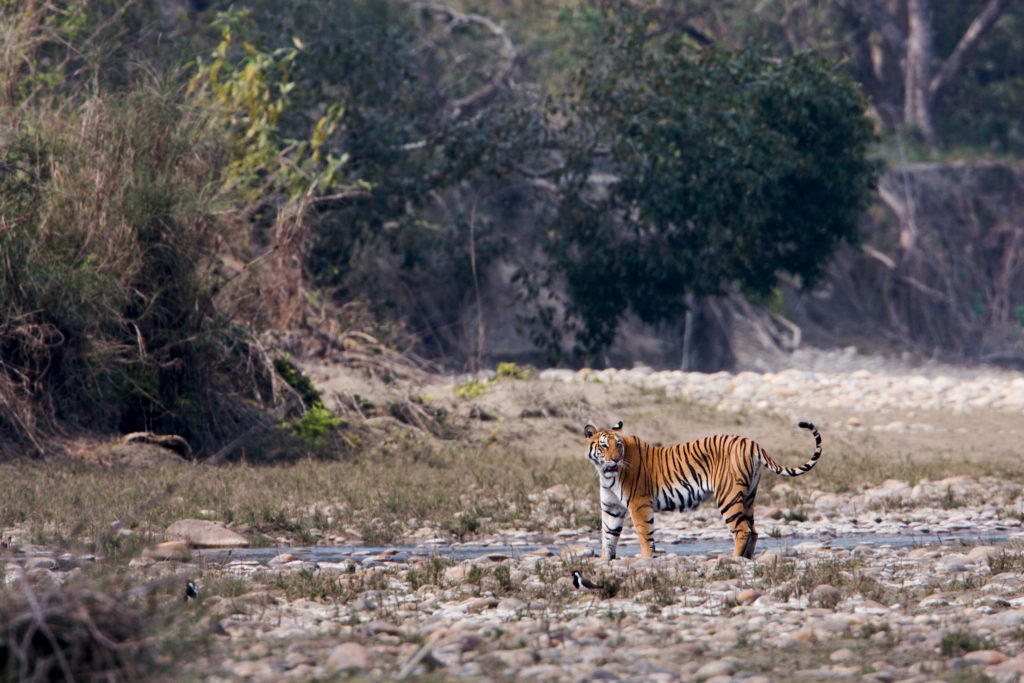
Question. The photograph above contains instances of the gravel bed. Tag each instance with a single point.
(832, 379)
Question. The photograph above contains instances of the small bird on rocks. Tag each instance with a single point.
(598, 590)
(579, 583)
(191, 592)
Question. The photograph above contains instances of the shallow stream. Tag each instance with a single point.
(366, 554)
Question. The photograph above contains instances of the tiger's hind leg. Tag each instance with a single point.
(738, 512)
(749, 537)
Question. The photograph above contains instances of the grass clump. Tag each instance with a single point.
(473, 388)
(311, 585)
(955, 643)
(513, 371)
(431, 573)
(71, 632)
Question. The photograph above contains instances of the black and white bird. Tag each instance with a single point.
(579, 583)
(604, 590)
(191, 592)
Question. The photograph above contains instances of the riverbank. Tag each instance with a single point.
(898, 558)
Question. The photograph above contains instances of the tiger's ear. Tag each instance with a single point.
(617, 427)
(589, 430)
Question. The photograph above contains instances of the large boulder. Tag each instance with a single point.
(199, 533)
(168, 550)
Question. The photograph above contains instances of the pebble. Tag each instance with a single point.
(348, 656)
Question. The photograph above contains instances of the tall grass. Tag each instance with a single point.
(110, 317)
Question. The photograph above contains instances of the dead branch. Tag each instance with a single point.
(507, 54)
(40, 623)
(87, 633)
(172, 442)
(968, 42)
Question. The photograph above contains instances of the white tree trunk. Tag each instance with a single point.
(917, 101)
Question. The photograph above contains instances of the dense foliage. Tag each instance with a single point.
(113, 314)
(108, 313)
(177, 177)
(725, 170)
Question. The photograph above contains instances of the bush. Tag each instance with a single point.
(724, 170)
(110, 317)
(71, 632)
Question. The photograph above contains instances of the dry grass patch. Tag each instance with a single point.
(379, 494)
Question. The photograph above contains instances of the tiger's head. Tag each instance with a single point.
(606, 449)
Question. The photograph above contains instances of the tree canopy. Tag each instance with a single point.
(724, 169)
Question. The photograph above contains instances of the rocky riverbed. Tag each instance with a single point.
(816, 379)
(884, 577)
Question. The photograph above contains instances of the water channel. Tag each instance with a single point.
(363, 554)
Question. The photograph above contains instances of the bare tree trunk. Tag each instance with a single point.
(689, 333)
(970, 39)
(917, 104)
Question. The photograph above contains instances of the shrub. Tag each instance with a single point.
(110, 315)
(71, 632)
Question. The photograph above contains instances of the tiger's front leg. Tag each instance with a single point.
(643, 522)
(613, 512)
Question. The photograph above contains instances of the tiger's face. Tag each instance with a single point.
(605, 449)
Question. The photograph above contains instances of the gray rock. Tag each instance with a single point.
(199, 533)
(722, 667)
(514, 659)
(348, 656)
(168, 550)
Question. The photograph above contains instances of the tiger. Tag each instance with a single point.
(641, 478)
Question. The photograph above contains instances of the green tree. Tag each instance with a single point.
(950, 71)
(432, 128)
(724, 169)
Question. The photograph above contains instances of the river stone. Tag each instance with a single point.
(720, 668)
(1010, 666)
(954, 562)
(168, 550)
(34, 563)
(199, 533)
(843, 654)
(986, 657)
(348, 656)
(480, 604)
(455, 573)
(283, 558)
(254, 669)
(984, 552)
(577, 551)
(514, 659)
(825, 595)
(511, 604)
(828, 502)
